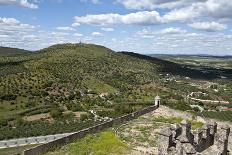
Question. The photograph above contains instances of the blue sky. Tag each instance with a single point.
(143, 26)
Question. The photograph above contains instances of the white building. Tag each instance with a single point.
(157, 101)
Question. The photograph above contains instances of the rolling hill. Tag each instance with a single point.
(76, 78)
(7, 51)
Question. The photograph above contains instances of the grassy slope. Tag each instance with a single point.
(6, 51)
(79, 67)
(103, 143)
(183, 69)
(15, 150)
(75, 67)
(139, 136)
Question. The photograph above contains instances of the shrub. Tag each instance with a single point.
(77, 107)
(84, 117)
(69, 116)
(3, 122)
(9, 97)
(56, 113)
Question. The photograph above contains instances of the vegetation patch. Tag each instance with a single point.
(104, 143)
(176, 120)
(196, 124)
(15, 150)
(219, 115)
(170, 120)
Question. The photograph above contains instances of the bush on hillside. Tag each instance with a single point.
(56, 113)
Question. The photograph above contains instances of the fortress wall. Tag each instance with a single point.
(203, 140)
(91, 130)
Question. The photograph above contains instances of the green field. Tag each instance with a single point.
(219, 115)
(103, 143)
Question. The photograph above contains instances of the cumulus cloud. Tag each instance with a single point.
(107, 29)
(146, 33)
(21, 3)
(138, 18)
(172, 30)
(188, 11)
(210, 8)
(58, 34)
(153, 4)
(12, 24)
(96, 34)
(182, 43)
(208, 26)
(75, 25)
(185, 11)
(182, 10)
(14, 33)
(9, 21)
(65, 28)
(78, 34)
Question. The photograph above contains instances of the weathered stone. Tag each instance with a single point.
(180, 140)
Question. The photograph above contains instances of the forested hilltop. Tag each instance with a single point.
(67, 87)
(6, 51)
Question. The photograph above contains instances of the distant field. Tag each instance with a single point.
(4, 51)
(208, 61)
(219, 115)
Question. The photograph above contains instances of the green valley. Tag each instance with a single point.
(67, 87)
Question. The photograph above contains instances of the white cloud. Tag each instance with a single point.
(12, 24)
(153, 4)
(138, 18)
(172, 30)
(22, 3)
(114, 39)
(96, 34)
(78, 34)
(183, 14)
(13, 33)
(58, 34)
(186, 11)
(75, 25)
(182, 43)
(146, 33)
(210, 9)
(208, 26)
(107, 29)
(65, 28)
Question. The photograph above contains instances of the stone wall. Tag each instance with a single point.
(181, 140)
(94, 129)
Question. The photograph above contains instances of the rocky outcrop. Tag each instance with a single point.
(179, 139)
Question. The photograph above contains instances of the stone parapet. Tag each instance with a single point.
(181, 140)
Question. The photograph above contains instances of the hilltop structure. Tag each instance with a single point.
(181, 140)
(157, 101)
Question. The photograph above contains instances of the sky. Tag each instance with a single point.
(142, 26)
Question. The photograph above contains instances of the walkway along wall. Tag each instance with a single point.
(91, 130)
